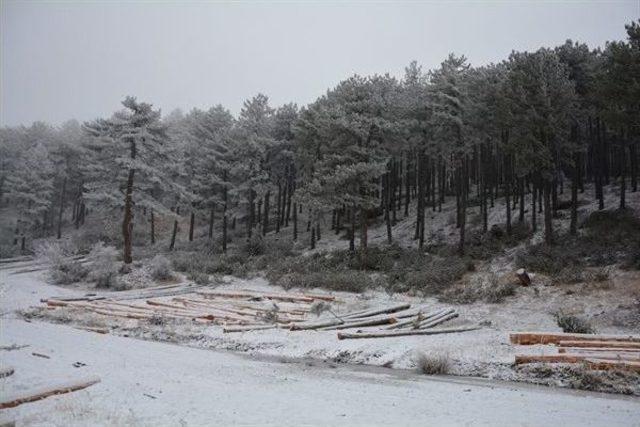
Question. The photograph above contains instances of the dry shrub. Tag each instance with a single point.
(160, 268)
(63, 269)
(574, 324)
(481, 287)
(104, 266)
(433, 364)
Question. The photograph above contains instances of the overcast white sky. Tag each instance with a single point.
(64, 60)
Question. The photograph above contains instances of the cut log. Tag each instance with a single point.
(251, 295)
(439, 320)
(524, 278)
(320, 297)
(413, 321)
(530, 338)
(94, 329)
(371, 321)
(384, 310)
(564, 358)
(599, 350)
(247, 328)
(6, 371)
(599, 344)
(315, 325)
(388, 334)
(41, 393)
(605, 364)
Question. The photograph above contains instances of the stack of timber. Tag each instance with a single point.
(391, 321)
(236, 310)
(600, 352)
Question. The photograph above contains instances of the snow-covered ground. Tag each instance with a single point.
(151, 383)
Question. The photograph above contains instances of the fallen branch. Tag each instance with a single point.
(248, 328)
(42, 393)
(530, 338)
(387, 334)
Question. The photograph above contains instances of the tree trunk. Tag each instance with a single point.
(623, 178)
(192, 219)
(573, 227)
(153, 228)
(364, 232)
(313, 238)
(534, 196)
(62, 194)
(295, 222)
(387, 201)
(279, 204)
(224, 231)
(174, 233)
(462, 179)
(521, 188)
(265, 223)
(352, 232)
(211, 216)
(127, 223)
(548, 228)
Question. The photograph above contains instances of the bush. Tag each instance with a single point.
(254, 246)
(574, 324)
(431, 277)
(199, 278)
(63, 268)
(433, 364)
(345, 281)
(160, 268)
(104, 266)
(481, 287)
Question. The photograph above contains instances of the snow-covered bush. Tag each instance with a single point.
(104, 266)
(160, 268)
(63, 268)
(436, 364)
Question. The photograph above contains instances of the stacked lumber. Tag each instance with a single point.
(237, 311)
(599, 352)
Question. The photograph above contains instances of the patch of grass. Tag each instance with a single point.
(438, 364)
(574, 324)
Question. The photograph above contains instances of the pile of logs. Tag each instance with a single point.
(601, 352)
(394, 321)
(242, 311)
(249, 309)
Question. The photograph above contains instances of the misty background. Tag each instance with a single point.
(63, 60)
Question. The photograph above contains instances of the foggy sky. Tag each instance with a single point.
(79, 60)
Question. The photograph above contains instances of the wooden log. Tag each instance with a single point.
(524, 278)
(377, 311)
(315, 325)
(563, 358)
(322, 297)
(412, 322)
(597, 344)
(599, 350)
(6, 371)
(252, 295)
(44, 392)
(606, 364)
(370, 321)
(94, 329)
(247, 328)
(530, 338)
(389, 334)
(439, 320)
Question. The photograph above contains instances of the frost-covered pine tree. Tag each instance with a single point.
(128, 152)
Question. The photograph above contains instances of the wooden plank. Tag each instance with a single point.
(530, 338)
(596, 344)
(401, 333)
(44, 392)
